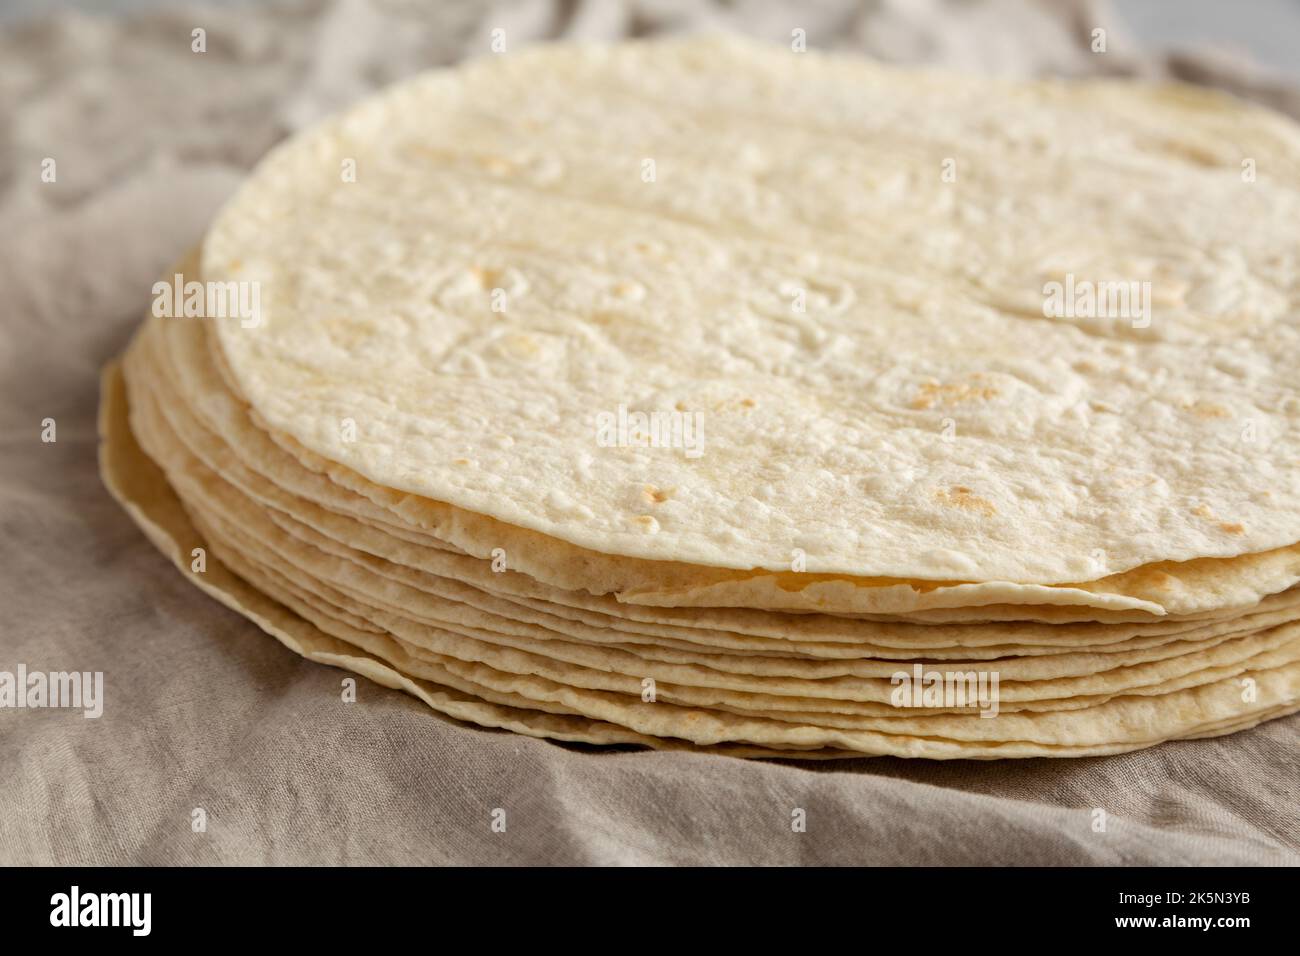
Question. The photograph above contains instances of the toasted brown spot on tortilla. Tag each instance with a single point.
(961, 497)
(956, 393)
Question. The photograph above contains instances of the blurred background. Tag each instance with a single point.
(1268, 31)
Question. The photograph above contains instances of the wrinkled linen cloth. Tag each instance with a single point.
(208, 720)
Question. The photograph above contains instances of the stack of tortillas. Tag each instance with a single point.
(708, 394)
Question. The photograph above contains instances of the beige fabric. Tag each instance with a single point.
(203, 711)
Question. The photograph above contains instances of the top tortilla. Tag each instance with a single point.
(919, 419)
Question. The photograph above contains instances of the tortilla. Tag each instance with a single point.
(925, 517)
(823, 427)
